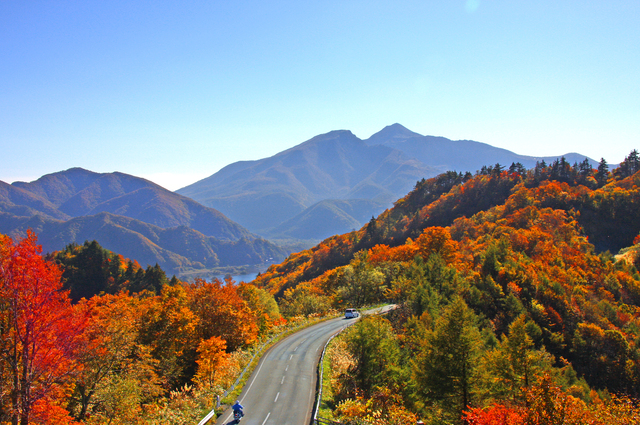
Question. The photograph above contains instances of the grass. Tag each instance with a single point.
(327, 404)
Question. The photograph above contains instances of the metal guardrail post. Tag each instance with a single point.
(314, 419)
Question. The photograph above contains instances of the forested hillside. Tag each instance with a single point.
(511, 302)
(513, 306)
(88, 336)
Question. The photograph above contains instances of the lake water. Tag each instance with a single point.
(241, 277)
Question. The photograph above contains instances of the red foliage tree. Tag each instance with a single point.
(494, 415)
(39, 334)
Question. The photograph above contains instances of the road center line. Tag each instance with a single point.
(265, 419)
(282, 382)
(277, 395)
(290, 357)
(287, 368)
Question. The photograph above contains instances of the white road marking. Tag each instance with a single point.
(277, 395)
(290, 357)
(282, 382)
(265, 419)
(244, 393)
(287, 368)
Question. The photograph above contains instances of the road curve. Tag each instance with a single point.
(282, 388)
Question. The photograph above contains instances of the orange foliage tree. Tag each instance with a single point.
(212, 359)
(222, 312)
(111, 355)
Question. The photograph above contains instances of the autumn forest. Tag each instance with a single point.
(517, 294)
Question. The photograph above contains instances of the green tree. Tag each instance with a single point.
(514, 365)
(154, 279)
(85, 269)
(445, 369)
(432, 284)
(374, 347)
(361, 283)
(629, 166)
(602, 174)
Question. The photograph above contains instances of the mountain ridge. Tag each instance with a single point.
(338, 165)
(132, 216)
(327, 166)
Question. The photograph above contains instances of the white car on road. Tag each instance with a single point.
(351, 313)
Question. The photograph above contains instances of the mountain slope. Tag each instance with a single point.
(458, 155)
(78, 192)
(129, 215)
(336, 165)
(20, 202)
(504, 268)
(608, 214)
(323, 219)
(177, 250)
(265, 194)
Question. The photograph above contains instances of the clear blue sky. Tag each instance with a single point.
(175, 90)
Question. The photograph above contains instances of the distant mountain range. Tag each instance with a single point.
(131, 216)
(336, 182)
(330, 184)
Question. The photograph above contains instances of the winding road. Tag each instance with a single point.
(282, 388)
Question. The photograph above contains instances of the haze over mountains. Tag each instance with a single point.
(335, 182)
(131, 216)
(328, 185)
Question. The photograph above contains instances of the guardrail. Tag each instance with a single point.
(315, 420)
(212, 413)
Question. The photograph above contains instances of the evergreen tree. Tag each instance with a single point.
(86, 269)
(629, 166)
(376, 352)
(514, 365)
(154, 279)
(584, 168)
(602, 174)
(445, 368)
(497, 169)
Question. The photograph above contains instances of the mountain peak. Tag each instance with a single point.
(391, 132)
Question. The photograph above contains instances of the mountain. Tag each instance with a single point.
(20, 202)
(456, 155)
(131, 216)
(276, 196)
(605, 213)
(77, 192)
(263, 194)
(330, 216)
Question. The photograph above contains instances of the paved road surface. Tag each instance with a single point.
(282, 388)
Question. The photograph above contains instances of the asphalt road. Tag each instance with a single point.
(282, 389)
